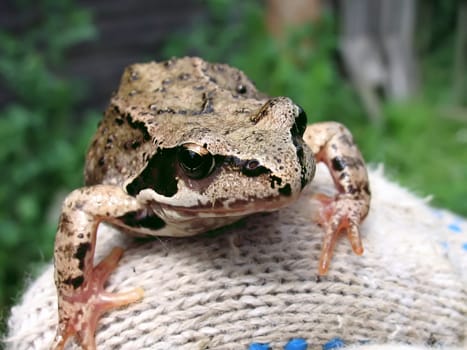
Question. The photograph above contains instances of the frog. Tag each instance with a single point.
(186, 147)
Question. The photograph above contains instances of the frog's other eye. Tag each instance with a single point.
(195, 160)
(299, 125)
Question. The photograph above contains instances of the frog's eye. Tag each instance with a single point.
(299, 125)
(196, 161)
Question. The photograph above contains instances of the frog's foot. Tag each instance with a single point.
(80, 312)
(339, 214)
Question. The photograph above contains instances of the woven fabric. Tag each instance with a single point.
(256, 282)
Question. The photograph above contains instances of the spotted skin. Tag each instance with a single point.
(333, 144)
(82, 298)
(185, 147)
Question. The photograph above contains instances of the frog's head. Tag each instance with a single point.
(203, 176)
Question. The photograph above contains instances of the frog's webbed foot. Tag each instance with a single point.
(338, 215)
(80, 284)
(333, 145)
(81, 311)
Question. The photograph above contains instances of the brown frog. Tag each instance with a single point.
(185, 147)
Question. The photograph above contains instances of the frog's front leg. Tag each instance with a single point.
(81, 296)
(333, 144)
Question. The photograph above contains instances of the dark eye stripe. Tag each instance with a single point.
(299, 127)
(298, 143)
(159, 174)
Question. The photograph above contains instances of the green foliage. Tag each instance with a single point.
(424, 148)
(40, 154)
(301, 66)
(420, 142)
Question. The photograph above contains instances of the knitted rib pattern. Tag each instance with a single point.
(256, 282)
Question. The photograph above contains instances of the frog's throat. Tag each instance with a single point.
(161, 205)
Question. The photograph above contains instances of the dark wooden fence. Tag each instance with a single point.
(128, 32)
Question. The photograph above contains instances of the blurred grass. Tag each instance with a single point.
(43, 145)
(422, 148)
(422, 142)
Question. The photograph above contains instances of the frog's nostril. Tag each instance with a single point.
(252, 164)
(253, 168)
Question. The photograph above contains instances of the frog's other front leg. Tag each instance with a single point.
(80, 284)
(333, 144)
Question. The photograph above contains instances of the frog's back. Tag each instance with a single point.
(156, 105)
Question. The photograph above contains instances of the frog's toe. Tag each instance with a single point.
(353, 234)
(60, 340)
(80, 312)
(329, 241)
(336, 216)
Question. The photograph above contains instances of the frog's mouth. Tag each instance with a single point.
(178, 220)
(222, 207)
(234, 208)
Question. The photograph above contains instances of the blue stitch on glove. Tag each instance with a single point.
(259, 346)
(296, 344)
(334, 343)
(454, 227)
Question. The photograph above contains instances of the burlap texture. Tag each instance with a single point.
(256, 282)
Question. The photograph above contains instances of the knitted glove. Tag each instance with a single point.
(256, 282)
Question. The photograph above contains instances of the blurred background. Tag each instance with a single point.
(393, 71)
